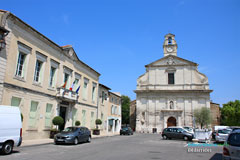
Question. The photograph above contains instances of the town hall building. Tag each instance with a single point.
(169, 91)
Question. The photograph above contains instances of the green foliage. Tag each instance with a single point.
(77, 123)
(58, 121)
(98, 122)
(125, 109)
(22, 117)
(202, 116)
(230, 113)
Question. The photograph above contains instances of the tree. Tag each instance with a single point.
(125, 109)
(58, 121)
(98, 122)
(230, 113)
(202, 116)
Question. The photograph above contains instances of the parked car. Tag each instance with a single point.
(235, 129)
(126, 130)
(10, 128)
(189, 129)
(222, 134)
(231, 148)
(73, 135)
(177, 133)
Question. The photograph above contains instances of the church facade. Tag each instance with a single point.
(169, 91)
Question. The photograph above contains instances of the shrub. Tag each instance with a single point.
(58, 121)
(77, 123)
(98, 122)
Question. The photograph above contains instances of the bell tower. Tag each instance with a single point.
(169, 45)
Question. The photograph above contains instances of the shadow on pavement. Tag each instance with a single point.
(13, 152)
(216, 156)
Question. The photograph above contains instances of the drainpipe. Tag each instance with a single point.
(98, 99)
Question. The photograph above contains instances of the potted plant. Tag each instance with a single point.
(57, 121)
(97, 131)
(77, 123)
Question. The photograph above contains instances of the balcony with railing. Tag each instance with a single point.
(67, 95)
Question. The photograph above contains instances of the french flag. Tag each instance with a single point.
(72, 86)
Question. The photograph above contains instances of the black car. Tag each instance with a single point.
(177, 133)
(73, 135)
(126, 131)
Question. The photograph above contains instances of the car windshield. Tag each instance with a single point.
(187, 128)
(224, 131)
(234, 139)
(69, 129)
(125, 128)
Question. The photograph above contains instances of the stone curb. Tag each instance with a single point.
(46, 143)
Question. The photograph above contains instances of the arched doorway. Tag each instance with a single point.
(171, 122)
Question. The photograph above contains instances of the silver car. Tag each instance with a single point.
(222, 134)
(231, 148)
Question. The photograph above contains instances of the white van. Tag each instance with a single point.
(10, 128)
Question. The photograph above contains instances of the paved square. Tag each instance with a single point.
(136, 147)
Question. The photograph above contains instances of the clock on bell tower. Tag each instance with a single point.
(170, 45)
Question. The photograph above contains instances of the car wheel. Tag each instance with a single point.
(185, 138)
(89, 139)
(165, 137)
(75, 141)
(7, 148)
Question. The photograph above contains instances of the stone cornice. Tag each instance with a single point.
(171, 110)
(172, 91)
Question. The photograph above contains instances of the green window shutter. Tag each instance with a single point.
(83, 117)
(15, 101)
(74, 115)
(33, 114)
(48, 115)
(92, 119)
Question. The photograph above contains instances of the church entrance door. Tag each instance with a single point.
(171, 122)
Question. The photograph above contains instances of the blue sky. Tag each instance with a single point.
(118, 37)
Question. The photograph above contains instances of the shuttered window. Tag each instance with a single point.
(15, 101)
(84, 117)
(74, 115)
(92, 120)
(33, 114)
(48, 115)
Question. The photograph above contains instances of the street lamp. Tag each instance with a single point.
(3, 34)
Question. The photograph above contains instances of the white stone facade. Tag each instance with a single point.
(169, 91)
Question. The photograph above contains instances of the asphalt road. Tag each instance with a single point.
(136, 147)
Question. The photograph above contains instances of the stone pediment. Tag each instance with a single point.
(171, 60)
(68, 49)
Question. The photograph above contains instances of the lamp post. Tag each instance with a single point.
(3, 34)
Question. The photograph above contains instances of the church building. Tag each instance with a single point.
(169, 91)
